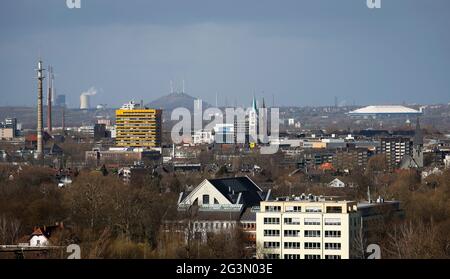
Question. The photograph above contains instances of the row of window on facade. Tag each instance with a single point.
(212, 225)
(307, 233)
(297, 245)
(312, 209)
(298, 256)
(307, 221)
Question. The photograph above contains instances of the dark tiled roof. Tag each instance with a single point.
(231, 187)
(248, 215)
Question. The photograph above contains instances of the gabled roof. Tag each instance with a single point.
(37, 231)
(251, 194)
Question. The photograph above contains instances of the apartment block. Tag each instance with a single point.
(306, 227)
(138, 126)
(395, 148)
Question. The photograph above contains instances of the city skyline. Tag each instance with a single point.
(301, 52)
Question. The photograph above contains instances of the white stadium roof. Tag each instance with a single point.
(389, 109)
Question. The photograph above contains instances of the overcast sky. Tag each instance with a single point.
(304, 52)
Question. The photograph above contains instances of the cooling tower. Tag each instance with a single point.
(84, 101)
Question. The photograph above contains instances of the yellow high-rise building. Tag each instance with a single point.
(138, 126)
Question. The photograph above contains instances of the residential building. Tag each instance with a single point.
(219, 205)
(336, 183)
(8, 129)
(394, 149)
(120, 157)
(138, 126)
(306, 227)
(6, 133)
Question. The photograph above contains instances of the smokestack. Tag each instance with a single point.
(63, 119)
(49, 99)
(40, 77)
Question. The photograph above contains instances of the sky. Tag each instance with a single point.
(297, 52)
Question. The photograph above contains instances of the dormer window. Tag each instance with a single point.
(205, 199)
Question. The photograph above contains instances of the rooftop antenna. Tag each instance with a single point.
(171, 87)
(183, 87)
(273, 100)
(216, 100)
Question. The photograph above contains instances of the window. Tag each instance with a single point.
(332, 221)
(216, 201)
(272, 208)
(332, 246)
(332, 233)
(312, 257)
(271, 245)
(271, 232)
(291, 256)
(292, 233)
(271, 256)
(313, 209)
(205, 199)
(271, 221)
(312, 245)
(312, 233)
(292, 221)
(293, 208)
(334, 209)
(332, 257)
(292, 245)
(312, 221)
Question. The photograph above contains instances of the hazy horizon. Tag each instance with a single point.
(304, 52)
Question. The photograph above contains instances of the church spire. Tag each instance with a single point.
(418, 136)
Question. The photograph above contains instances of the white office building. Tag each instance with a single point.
(306, 227)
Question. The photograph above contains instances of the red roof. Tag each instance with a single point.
(326, 166)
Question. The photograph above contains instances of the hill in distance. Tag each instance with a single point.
(175, 100)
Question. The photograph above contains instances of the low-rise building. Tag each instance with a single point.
(336, 183)
(120, 157)
(219, 205)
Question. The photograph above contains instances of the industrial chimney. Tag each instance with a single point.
(40, 77)
(49, 99)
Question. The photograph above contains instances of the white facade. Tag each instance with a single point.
(130, 106)
(306, 229)
(203, 137)
(205, 194)
(253, 125)
(447, 161)
(224, 133)
(336, 183)
(291, 121)
(38, 240)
